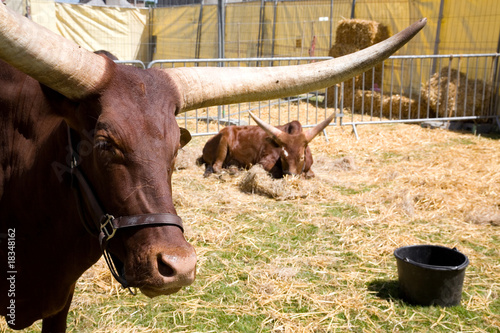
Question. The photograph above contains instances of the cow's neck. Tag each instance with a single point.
(33, 144)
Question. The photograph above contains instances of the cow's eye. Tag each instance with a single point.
(302, 158)
(103, 145)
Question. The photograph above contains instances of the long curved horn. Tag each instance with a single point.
(208, 86)
(272, 131)
(49, 58)
(310, 134)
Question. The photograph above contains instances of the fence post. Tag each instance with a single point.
(261, 29)
(222, 22)
(438, 33)
(152, 38)
(331, 24)
(274, 29)
(496, 79)
(198, 33)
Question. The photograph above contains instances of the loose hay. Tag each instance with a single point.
(186, 158)
(257, 180)
(484, 215)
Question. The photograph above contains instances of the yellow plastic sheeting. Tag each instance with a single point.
(242, 32)
(469, 26)
(19, 6)
(44, 13)
(180, 34)
(423, 42)
(298, 22)
(395, 15)
(121, 31)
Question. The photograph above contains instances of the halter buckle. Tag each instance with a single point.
(107, 227)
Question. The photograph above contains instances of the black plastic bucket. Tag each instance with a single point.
(430, 274)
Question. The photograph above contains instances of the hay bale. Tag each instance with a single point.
(352, 36)
(258, 181)
(360, 33)
(450, 90)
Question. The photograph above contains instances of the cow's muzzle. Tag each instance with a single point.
(108, 227)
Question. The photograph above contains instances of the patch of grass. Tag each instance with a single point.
(462, 141)
(362, 188)
(341, 210)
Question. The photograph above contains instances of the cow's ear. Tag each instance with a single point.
(272, 142)
(185, 137)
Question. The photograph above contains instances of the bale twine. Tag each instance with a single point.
(353, 35)
(449, 93)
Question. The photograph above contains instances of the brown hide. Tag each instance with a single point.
(129, 143)
(244, 146)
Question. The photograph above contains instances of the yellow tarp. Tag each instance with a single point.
(298, 22)
(44, 13)
(288, 28)
(121, 31)
(242, 34)
(468, 26)
(179, 35)
(19, 6)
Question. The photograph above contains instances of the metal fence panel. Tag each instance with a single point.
(412, 89)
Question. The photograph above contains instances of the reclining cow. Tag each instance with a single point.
(281, 150)
(87, 148)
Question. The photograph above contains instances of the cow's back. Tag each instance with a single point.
(244, 146)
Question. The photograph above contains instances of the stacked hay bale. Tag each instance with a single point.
(353, 35)
(364, 96)
(449, 93)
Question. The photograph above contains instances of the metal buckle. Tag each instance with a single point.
(106, 223)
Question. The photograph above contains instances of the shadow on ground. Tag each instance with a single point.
(385, 289)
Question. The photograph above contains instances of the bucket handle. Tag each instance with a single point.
(448, 268)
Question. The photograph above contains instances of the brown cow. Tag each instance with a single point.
(74, 122)
(281, 150)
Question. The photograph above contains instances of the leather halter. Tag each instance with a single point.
(103, 225)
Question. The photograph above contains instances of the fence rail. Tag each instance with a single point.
(405, 89)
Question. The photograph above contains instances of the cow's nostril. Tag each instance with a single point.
(164, 268)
